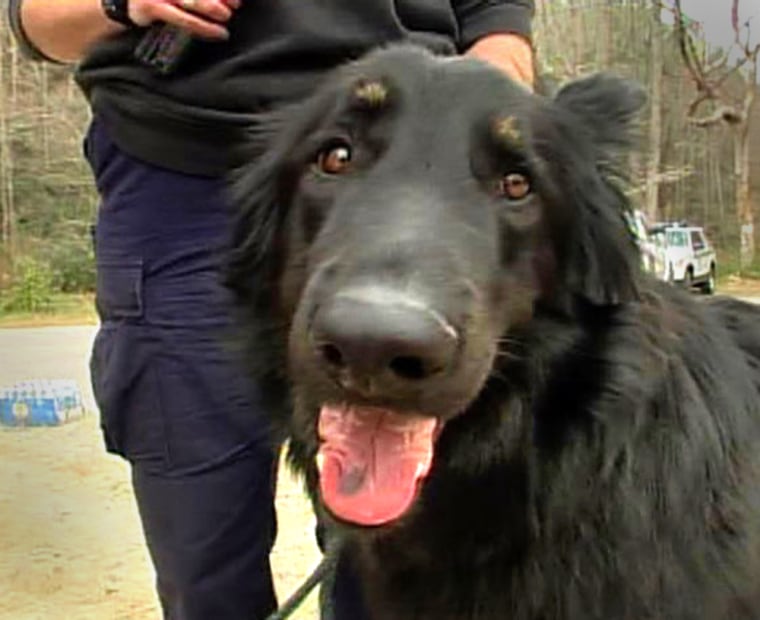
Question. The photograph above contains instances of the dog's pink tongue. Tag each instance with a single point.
(370, 461)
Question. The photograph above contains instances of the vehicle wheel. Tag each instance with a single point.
(708, 288)
(688, 279)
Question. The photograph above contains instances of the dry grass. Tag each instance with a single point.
(65, 310)
(80, 309)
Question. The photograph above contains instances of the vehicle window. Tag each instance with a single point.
(658, 239)
(697, 242)
(678, 238)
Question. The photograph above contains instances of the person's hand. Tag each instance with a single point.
(511, 53)
(204, 18)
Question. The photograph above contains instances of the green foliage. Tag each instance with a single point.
(729, 266)
(70, 254)
(32, 287)
(46, 268)
(49, 195)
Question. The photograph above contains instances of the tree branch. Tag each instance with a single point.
(722, 114)
(711, 79)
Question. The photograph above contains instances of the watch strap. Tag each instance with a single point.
(118, 11)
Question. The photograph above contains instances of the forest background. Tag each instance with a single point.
(698, 161)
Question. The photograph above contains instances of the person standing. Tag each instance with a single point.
(174, 401)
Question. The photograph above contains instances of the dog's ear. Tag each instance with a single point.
(595, 127)
(606, 105)
(261, 191)
(260, 188)
(255, 196)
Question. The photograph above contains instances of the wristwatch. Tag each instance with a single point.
(118, 11)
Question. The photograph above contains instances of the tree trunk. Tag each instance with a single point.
(655, 120)
(743, 202)
(719, 195)
(44, 120)
(6, 168)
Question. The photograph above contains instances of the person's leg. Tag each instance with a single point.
(211, 553)
(208, 518)
(174, 400)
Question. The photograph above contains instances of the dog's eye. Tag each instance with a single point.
(335, 159)
(514, 186)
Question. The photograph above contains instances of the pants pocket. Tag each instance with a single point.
(123, 366)
(126, 388)
(119, 289)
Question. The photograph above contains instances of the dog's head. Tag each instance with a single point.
(401, 225)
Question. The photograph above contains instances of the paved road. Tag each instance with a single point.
(70, 540)
(57, 353)
(47, 353)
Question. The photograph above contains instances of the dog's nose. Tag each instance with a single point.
(379, 337)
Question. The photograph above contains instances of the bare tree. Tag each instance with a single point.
(6, 161)
(725, 94)
(655, 118)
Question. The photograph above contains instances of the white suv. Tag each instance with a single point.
(686, 257)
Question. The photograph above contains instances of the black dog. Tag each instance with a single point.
(501, 414)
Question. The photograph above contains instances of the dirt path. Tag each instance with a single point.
(70, 543)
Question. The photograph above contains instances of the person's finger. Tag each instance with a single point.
(215, 10)
(203, 18)
(189, 21)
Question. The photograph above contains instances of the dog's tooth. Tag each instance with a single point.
(320, 461)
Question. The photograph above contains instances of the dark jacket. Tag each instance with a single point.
(192, 119)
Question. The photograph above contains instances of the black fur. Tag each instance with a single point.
(601, 453)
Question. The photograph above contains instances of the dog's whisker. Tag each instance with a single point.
(509, 355)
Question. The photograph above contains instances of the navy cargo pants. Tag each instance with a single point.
(174, 402)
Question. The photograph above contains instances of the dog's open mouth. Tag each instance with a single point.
(371, 461)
